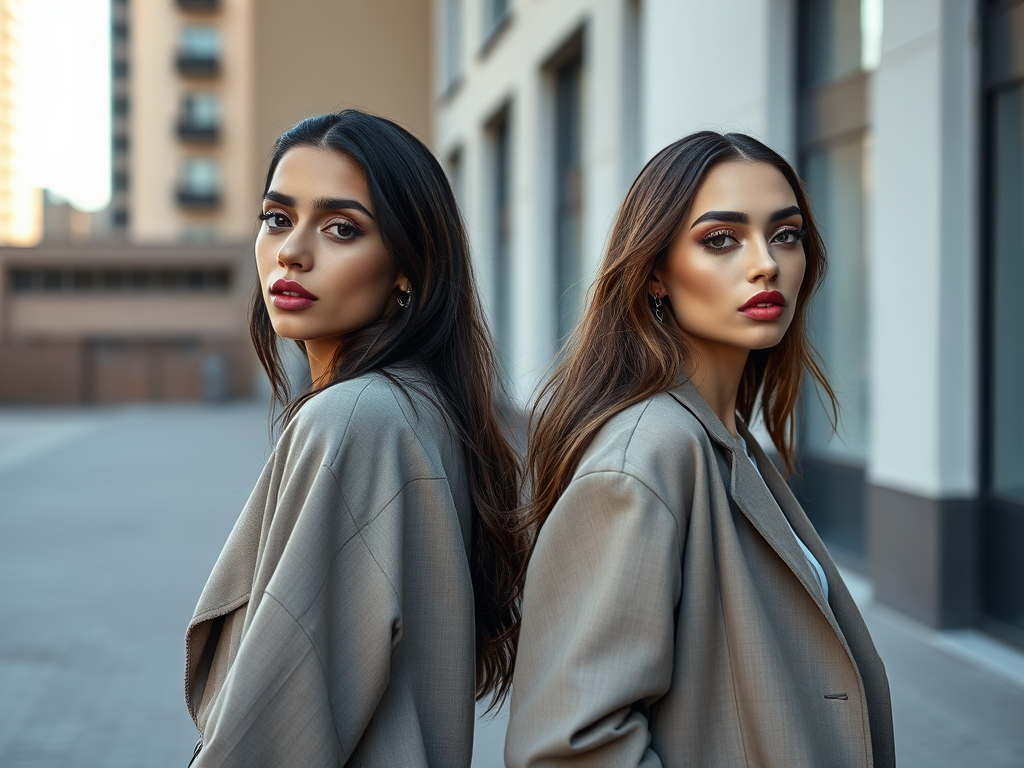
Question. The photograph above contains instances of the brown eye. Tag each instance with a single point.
(344, 230)
(719, 241)
(789, 236)
(275, 220)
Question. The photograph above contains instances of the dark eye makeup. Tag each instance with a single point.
(343, 230)
(277, 219)
(722, 240)
(718, 241)
(792, 234)
(340, 230)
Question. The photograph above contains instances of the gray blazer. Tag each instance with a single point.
(671, 619)
(337, 626)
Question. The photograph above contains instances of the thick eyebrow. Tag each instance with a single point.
(734, 216)
(741, 218)
(321, 203)
(340, 204)
(785, 213)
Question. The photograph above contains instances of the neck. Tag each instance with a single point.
(716, 371)
(320, 353)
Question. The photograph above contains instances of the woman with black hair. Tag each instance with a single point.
(369, 588)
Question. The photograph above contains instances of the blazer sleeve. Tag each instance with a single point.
(322, 622)
(597, 639)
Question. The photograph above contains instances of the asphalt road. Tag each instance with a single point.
(110, 520)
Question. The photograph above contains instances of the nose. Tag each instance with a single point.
(762, 265)
(295, 252)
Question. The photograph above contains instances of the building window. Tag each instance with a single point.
(120, 181)
(199, 183)
(207, 6)
(839, 41)
(570, 286)
(452, 43)
(121, 105)
(119, 32)
(200, 117)
(120, 143)
(120, 218)
(500, 199)
(120, 70)
(456, 175)
(199, 50)
(199, 233)
(495, 15)
(1003, 375)
(23, 280)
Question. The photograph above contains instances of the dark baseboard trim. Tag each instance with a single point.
(923, 556)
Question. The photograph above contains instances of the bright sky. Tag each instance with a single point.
(63, 98)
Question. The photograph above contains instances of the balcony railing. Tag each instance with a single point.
(199, 5)
(193, 65)
(198, 200)
(198, 133)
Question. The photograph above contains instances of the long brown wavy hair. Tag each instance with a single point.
(443, 333)
(619, 354)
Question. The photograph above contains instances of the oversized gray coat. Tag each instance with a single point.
(337, 626)
(671, 619)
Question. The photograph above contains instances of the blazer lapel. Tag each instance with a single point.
(753, 498)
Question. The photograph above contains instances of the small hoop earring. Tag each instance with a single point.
(657, 309)
(405, 298)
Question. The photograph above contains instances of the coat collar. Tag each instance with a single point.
(769, 503)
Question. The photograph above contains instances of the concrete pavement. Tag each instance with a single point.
(110, 520)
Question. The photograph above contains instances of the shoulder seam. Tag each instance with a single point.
(329, 462)
(632, 432)
(624, 473)
(372, 519)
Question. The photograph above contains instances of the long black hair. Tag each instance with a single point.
(443, 333)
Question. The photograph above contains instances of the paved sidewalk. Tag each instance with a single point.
(110, 520)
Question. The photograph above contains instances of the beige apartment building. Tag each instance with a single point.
(203, 87)
(200, 91)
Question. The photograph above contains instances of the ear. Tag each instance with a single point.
(402, 283)
(655, 287)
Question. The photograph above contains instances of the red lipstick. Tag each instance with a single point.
(287, 294)
(766, 305)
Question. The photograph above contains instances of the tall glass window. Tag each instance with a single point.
(495, 14)
(569, 271)
(501, 230)
(1003, 396)
(452, 42)
(839, 46)
(456, 175)
(1007, 281)
(835, 178)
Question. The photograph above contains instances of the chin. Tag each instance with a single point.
(766, 341)
(287, 330)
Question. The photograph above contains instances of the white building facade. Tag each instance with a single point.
(906, 120)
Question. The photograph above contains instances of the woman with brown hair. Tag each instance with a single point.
(370, 586)
(679, 608)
